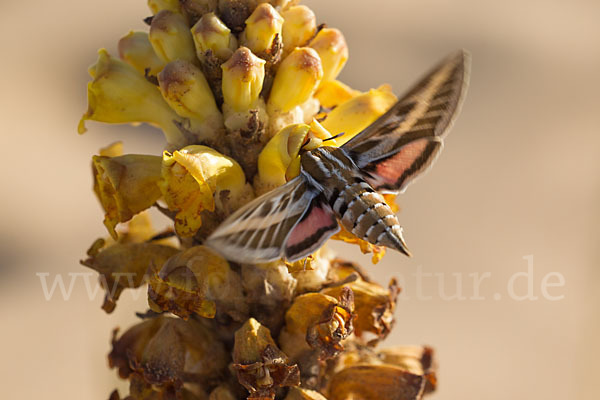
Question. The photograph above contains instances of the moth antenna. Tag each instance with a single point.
(335, 137)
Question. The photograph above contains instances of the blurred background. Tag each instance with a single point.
(515, 191)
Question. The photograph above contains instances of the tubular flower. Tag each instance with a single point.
(241, 89)
(136, 50)
(198, 178)
(125, 186)
(120, 94)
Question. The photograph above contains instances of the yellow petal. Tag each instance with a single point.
(120, 94)
(359, 112)
(125, 186)
(197, 178)
(135, 49)
(157, 6)
(365, 247)
(333, 93)
(278, 154)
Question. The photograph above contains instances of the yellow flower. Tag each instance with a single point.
(333, 93)
(211, 34)
(360, 111)
(135, 49)
(198, 178)
(125, 186)
(243, 76)
(299, 25)
(120, 94)
(278, 154)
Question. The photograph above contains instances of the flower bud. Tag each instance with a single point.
(124, 266)
(243, 76)
(333, 51)
(300, 24)
(171, 37)
(157, 6)
(356, 114)
(197, 281)
(298, 76)
(210, 33)
(184, 87)
(125, 186)
(263, 32)
(198, 178)
(333, 93)
(375, 382)
(261, 367)
(136, 50)
(120, 94)
(276, 157)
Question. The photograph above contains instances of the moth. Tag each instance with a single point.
(343, 185)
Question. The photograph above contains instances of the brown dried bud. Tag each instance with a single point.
(317, 322)
(195, 9)
(417, 360)
(123, 266)
(374, 307)
(234, 13)
(261, 367)
(168, 352)
(375, 382)
(297, 393)
(198, 281)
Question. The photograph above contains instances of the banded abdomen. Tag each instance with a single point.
(359, 208)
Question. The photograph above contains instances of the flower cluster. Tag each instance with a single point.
(239, 88)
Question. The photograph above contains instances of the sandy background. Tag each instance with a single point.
(519, 177)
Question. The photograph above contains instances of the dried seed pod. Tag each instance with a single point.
(374, 307)
(136, 50)
(166, 353)
(171, 37)
(263, 33)
(333, 51)
(124, 266)
(184, 87)
(125, 186)
(375, 382)
(417, 360)
(198, 178)
(260, 366)
(197, 281)
(120, 94)
(300, 24)
(317, 322)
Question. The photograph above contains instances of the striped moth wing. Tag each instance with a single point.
(404, 142)
(289, 222)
